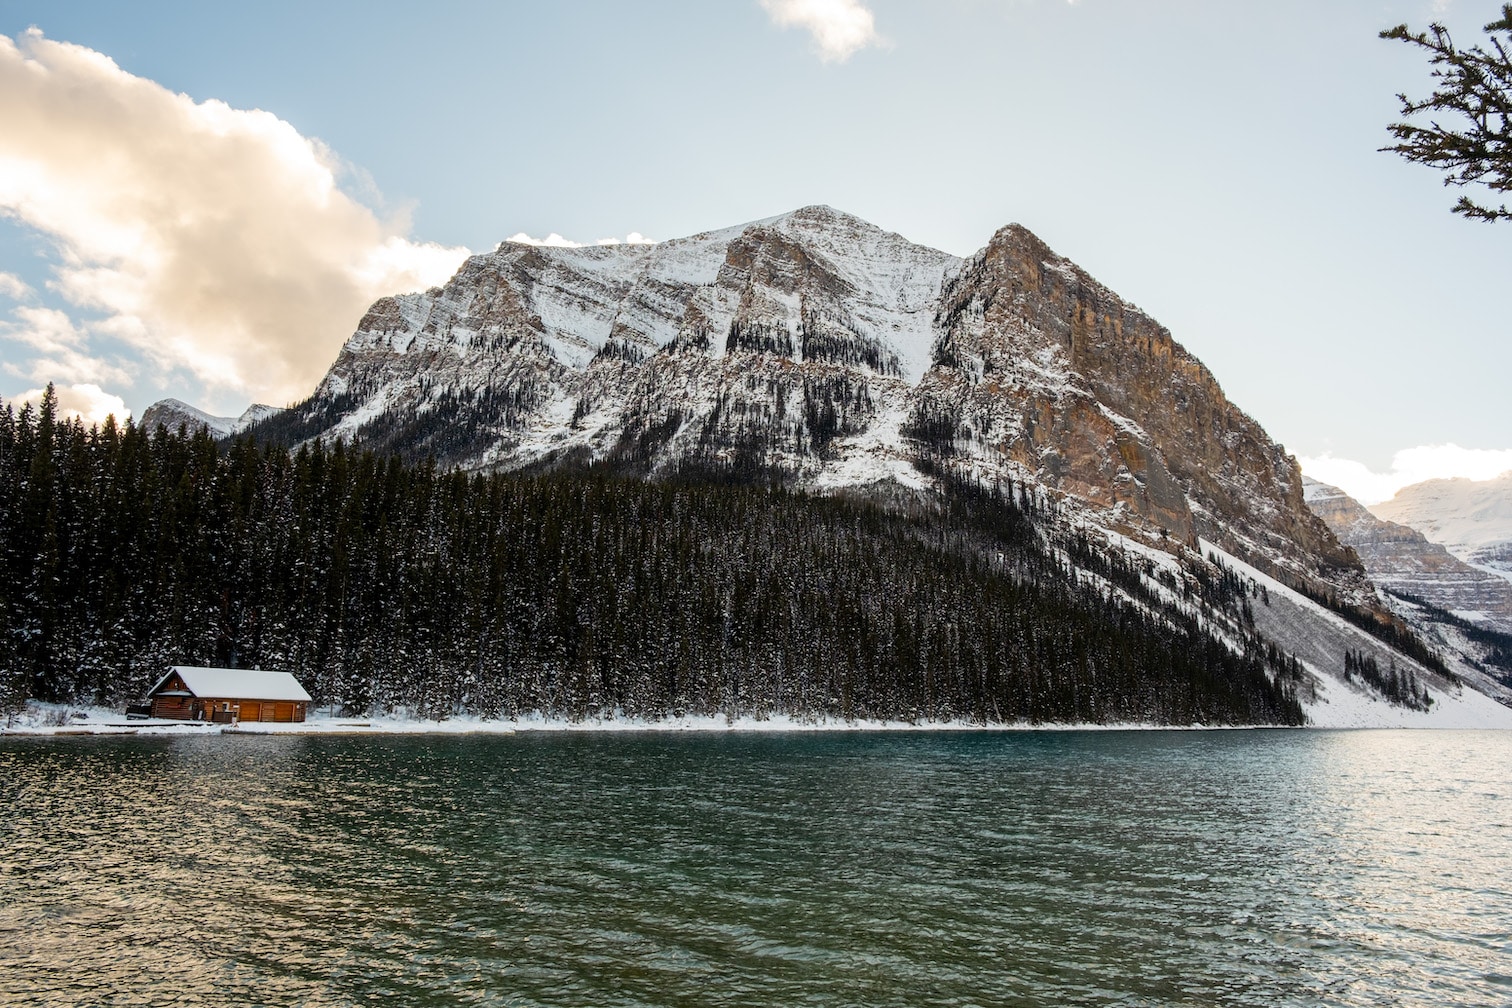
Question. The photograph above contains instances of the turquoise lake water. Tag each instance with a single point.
(991, 869)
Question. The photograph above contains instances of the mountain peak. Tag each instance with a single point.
(174, 413)
(1473, 518)
(819, 345)
(821, 215)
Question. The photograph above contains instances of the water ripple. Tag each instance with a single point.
(1130, 869)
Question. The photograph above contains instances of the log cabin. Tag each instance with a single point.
(188, 693)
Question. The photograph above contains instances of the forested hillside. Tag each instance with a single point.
(382, 585)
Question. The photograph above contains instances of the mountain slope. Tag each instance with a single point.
(1402, 560)
(819, 347)
(1462, 611)
(771, 337)
(173, 414)
(1472, 519)
(1038, 366)
(821, 352)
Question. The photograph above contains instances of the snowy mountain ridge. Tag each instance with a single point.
(172, 413)
(1471, 518)
(1462, 611)
(843, 358)
(1404, 561)
(818, 345)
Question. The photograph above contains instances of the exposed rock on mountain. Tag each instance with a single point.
(763, 343)
(1472, 519)
(173, 414)
(1401, 560)
(836, 357)
(821, 347)
(1462, 611)
(1039, 365)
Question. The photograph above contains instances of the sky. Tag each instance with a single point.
(199, 200)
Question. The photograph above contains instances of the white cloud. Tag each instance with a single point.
(840, 27)
(14, 287)
(58, 349)
(555, 240)
(87, 401)
(1408, 466)
(212, 239)
(633, 238)
(552, 240)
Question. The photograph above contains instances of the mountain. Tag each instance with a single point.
(1472, 519)
(173, 414)
(817, 346)
(821, 352)
(1460, 609)
(1402, 560)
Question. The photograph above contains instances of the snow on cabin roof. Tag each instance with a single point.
(237, 684)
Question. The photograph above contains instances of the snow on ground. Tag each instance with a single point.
(58, 719)
(875, 453)
(1318, 639)
(1352, 712)
(1342, 705)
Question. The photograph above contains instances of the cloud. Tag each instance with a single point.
(61, 345)
(1408, 466)
(552, 240)
(13, 287)
(840, 27)
(87, 401)
(555, 240)
(211, 239)
(633, 238)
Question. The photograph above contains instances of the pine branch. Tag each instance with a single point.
(1474, 88)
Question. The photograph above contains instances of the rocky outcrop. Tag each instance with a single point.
(173, 414)
(765, 344)
(1470, 518)
(1039, 364)
(1401, 560)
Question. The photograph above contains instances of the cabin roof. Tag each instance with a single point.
(236, 684)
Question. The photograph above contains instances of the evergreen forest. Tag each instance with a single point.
(384, 585)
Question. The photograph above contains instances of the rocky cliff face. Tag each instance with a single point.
(1039, 365)
(821, 347)
(1401, 560)
(765, 342)
(1470, 518)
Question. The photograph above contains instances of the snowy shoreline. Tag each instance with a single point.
(49, 720)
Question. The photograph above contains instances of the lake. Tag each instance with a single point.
(604, 869)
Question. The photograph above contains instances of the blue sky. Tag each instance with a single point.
(1214, 162)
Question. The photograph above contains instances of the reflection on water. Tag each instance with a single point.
(1107, 868)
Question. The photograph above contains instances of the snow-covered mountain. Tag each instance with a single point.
(820, 346)
(842, 358)
(173, 414)
(1462, 611)
(1471, 518)
(1402, 560)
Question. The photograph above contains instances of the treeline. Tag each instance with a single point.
(1399, 686)
(383, 585)
(1496, 647)
(1390, 630)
